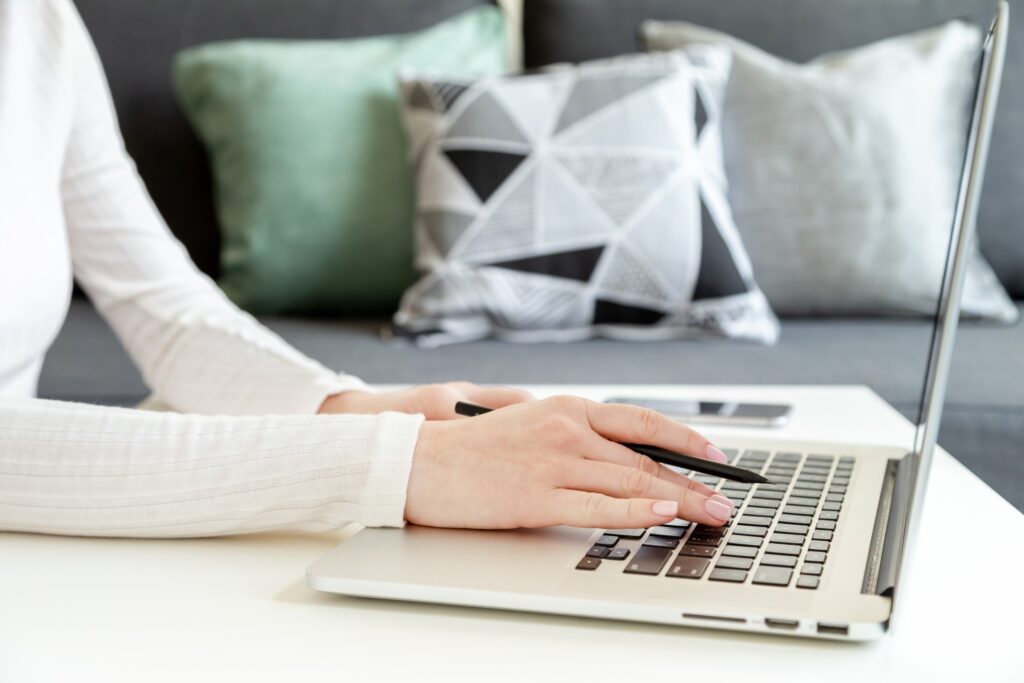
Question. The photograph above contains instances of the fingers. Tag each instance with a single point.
(632, 424)
(588, 509)
(606, 451)
(633, 483)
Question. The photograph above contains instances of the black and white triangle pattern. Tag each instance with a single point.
(581, 201)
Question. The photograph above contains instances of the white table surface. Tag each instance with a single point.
(238, 608)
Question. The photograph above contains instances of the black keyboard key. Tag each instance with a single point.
(822, 535)
(607, 540)
(811, 569)
(818, 457)
(598, 552)
(787, 457)
(789, 539)
(731, 575)
(686, 567)
(589, 563)
(782, 549)
(618, 554)
(807, 582)
(787, 518)
(830, 515)
(837, 488)
(735, 486)
(802, 500)
(627, 533)
(648, 560)
(681, 523)
(778, 561)
(815, 557)
(752, 541)
(832, 506)
(772, 576)
(701, 539)
(841, 480)
(765, 503)
(668, 531)
(846, 460)
(697, 551)
(770, 495)
(734, 563)
(834, 497)
(813, 478)
(760, 511)
(736, 500)
(737, 551)
(661, 542)
(825, 525)
(709, 530)
(798, 510)
(802, 489)
(819, 546)
(754, 520)
(792, 528)
(773, 487)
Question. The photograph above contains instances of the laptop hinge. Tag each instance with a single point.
(888, 536)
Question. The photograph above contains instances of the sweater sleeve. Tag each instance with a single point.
(70, 468)
(196, 350)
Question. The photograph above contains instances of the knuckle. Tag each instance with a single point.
(635, 509)
(593, 505)
(649, 424)
(561, 429)
(635, 482)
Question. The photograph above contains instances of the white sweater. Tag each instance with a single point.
(251, 454)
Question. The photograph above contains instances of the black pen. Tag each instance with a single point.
(662, 455)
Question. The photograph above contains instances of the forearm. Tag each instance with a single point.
(196, 350)
(97, 471)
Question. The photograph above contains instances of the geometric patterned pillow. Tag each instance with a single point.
(580, 201)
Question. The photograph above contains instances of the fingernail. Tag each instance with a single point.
(717, 509)
(713, 453)
(722, 499)
(665, 508)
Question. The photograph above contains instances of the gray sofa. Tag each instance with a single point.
(984, 421)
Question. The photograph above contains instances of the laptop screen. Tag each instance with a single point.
(907, 503)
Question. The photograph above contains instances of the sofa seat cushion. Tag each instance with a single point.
(983, 423)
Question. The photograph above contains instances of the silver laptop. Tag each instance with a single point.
(821, 556)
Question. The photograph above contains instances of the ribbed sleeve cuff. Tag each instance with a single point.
(382, 502)
(304, 394)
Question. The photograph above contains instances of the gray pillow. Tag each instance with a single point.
(844, 171)
(582, 201)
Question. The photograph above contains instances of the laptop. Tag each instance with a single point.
(820, 554)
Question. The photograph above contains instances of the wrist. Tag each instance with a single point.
(344, 402)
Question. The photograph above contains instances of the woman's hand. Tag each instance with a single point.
(556, 462)
(435, 401)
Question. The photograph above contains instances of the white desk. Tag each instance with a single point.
(238, 608)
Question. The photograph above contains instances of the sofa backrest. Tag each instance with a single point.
(576, 30)
(137, 39)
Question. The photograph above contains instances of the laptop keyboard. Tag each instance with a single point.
(779, 535)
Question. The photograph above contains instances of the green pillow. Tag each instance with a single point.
(312, 184)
